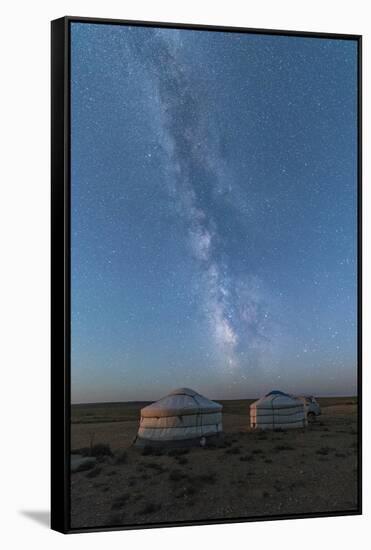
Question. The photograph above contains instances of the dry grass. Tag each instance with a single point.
(94, 472)
(249, 473)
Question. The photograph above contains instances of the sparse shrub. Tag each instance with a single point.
(100, 450)
(121, 458)
(177, 452)
(83, 451)
(247, 458)
(257, 451)
(233, 451)
(182, 460)
(210, 446)
(278, 486)
(268, 461)
(147, 450)
(94, 472)
(120, 502)
(99, 485)
(186, 492)
(266, 494)
(149, 508)
(111, 473)
(296, 484)
(214, 444)
(207, 478)
(283, 448)
(85, 466)
(324, 450)
(158, 451)
(176, 475)
(155, 466)
(115, 519)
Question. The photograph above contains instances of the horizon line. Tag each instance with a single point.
(219, 399)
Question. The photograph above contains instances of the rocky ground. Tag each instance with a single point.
(249, 474)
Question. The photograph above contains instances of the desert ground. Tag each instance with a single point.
(248, 474)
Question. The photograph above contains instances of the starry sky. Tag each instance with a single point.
(213, 224)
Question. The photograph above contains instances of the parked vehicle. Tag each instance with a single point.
(311, 406)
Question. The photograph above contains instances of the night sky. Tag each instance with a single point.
(213, 213)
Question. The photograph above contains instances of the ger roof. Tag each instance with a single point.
(276, 392)
(276, 399)
(180, 402)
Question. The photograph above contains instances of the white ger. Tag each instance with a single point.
(182, 417)
(277, 410)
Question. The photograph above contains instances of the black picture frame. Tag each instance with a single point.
(60, 268)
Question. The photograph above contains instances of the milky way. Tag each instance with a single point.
(213, 213)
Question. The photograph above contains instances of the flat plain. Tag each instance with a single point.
(248, 474)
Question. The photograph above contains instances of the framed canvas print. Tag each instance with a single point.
(206, 292)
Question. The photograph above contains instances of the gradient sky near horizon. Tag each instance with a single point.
(213, 221)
